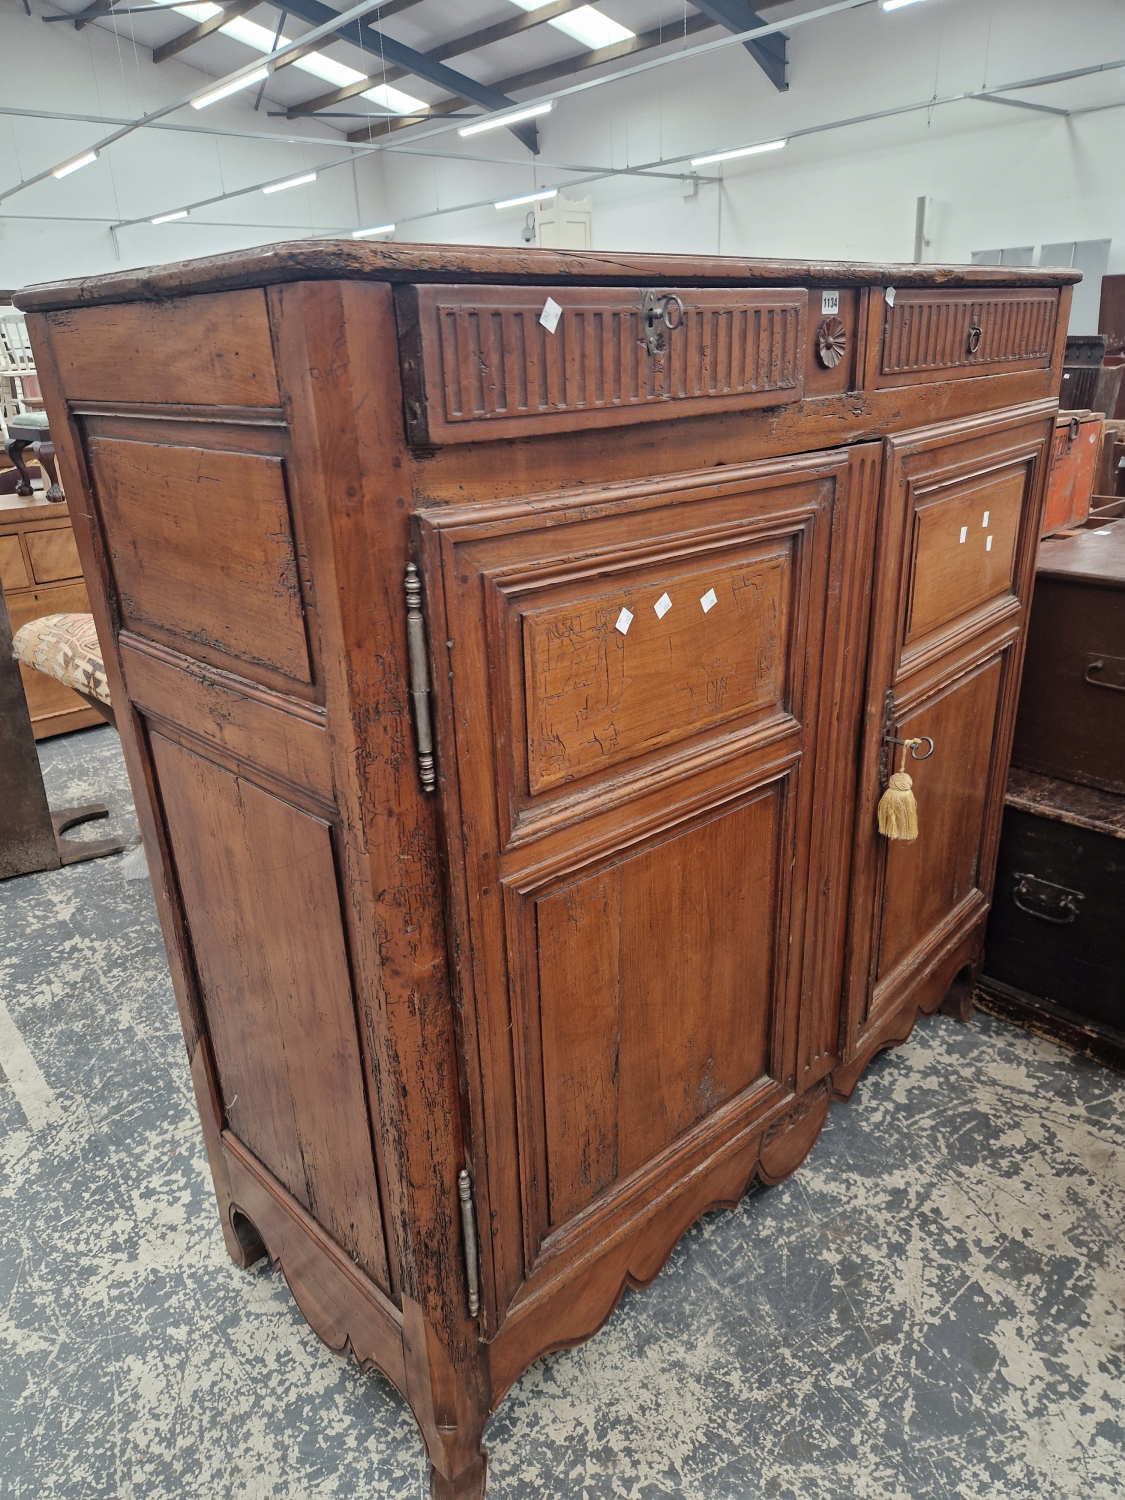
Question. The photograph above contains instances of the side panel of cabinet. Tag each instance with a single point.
(955, 558)
(651, 702)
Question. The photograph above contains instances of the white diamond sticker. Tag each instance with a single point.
(624, 620)
(550, 315)
(964, 532)
(988, 544)
(889, 296)
(709, 600)
(984, 520)
(662, 606)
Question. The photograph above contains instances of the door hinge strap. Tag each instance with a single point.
(469, 1231)
(419, 677)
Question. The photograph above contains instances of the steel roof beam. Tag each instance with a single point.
(239, 8)
(659, 37)
(471, 42)
(767, 51)
(369, 40)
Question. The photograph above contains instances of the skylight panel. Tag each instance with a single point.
(395, 100)
(585, 25)
(198, 13)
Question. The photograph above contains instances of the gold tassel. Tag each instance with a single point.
(898, 811)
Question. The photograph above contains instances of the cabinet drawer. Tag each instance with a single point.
(479, 362)
(933, 334)
(13, 569)
(54, 557)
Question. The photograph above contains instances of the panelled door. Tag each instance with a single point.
(956, 553)
(648, 702)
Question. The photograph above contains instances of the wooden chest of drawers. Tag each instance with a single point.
(513, 645)
(41, 575)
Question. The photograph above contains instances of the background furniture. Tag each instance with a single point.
(509, 651)
(1074, 460)
(31, 430)
(19, 384)
(31, 836)
(1055, 950)
(40, 574)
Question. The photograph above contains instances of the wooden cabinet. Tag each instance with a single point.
(509, 692)
(41, 574)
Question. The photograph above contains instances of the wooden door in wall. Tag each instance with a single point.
(651, 695)
(954, 567)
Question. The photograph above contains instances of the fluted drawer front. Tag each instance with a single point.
(931, 333)
(476, 357)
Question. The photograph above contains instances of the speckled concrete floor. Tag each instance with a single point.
(933, 1306)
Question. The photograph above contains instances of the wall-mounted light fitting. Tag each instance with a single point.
(72, 166)
(181, 213)
(494, 122)
(364, 234)
(527, 198)
(279, 187)
(703, 161)
(232, 86)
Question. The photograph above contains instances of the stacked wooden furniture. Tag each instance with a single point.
(509, 649)
(1055, 959)
(41, 574)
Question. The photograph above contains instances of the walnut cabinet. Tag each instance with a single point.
(507, 696)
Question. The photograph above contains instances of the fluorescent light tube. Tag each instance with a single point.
(494, 122)
(259, 75)
(703, 161)
(181, 213)
(72, 166)
(527, 198)
(897, 4)
(279, 187)
(363, 234)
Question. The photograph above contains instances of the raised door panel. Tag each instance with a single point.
(928, 882)
(205, 558)
(958, 531)
(642, 1040)
(260, 893)
(635, 734)
(211, 350)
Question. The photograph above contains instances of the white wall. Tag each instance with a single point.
(997, 175)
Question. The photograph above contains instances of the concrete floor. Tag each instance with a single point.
(934, 1306)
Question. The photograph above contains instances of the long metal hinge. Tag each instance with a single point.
(469, 1233)
(419, 678)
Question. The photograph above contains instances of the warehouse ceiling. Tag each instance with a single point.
(422, 58)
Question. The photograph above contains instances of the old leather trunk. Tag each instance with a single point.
(507, 701)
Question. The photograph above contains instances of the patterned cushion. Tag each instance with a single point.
(65, 647)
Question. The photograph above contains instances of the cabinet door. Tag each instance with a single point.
(956, 552)
(647, 712)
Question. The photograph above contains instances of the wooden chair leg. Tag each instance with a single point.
(14, 449)
(45, 452)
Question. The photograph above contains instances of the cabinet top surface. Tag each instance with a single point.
(319, 260)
